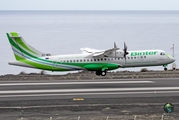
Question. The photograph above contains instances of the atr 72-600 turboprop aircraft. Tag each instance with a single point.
(100, 61)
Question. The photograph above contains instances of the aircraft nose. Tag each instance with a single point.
(173, 59)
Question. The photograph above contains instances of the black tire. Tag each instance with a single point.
(103, 73)
(98, 73)
(165, 69)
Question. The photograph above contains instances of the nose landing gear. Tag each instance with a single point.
(165, 67)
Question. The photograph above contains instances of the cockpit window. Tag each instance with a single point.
(162, 53)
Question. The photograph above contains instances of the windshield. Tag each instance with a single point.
(162, 53)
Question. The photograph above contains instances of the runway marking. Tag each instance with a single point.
(70, 94)
(78, 99)
(89, 90)
(66, 83)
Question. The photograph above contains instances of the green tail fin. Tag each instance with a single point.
(21, 49)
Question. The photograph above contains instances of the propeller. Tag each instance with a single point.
(125, 51)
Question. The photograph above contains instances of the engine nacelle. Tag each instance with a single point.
(118, 54)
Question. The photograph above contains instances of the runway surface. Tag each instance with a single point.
(67, 99)
(104, 88)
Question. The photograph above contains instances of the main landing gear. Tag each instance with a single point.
(102, 73)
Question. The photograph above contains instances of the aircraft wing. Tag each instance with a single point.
(105, 52)
(90, 50)
(99, 53)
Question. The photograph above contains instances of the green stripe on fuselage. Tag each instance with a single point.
(94, 66)
(41, 66)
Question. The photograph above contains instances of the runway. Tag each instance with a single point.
(103, 88)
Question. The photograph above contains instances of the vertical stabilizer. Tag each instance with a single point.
(21, 49)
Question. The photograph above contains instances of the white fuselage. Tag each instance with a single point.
(133, 59)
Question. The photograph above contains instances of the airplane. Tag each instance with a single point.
(99, 61)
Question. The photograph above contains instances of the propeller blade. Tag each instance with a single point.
(115, 46)
(125, 51)
(125, 47)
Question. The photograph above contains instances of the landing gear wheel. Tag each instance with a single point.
(103, 73)
(98, 73)
(165, 69)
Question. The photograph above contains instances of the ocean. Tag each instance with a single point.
(65, 32)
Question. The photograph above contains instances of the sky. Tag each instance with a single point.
(89, 5)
